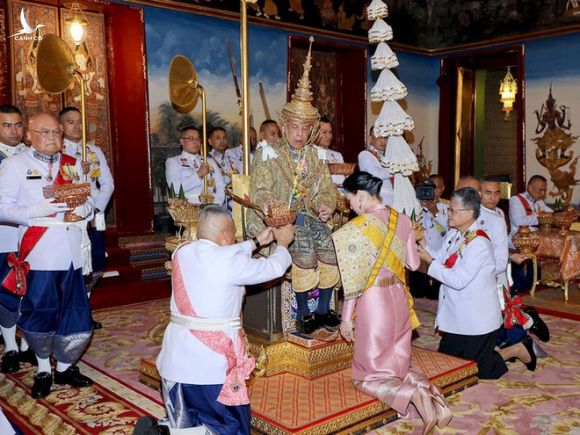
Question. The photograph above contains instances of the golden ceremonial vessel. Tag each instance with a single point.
(341, 168)
(564, 219)
(546, 220)
(73, 195)
(525, 241)
(277, 214)
(56, 68)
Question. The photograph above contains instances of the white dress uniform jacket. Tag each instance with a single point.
(181, 170)
(226, 163)
(99, 172)
(214, 278)
(435, 227)
(8, 230)
(369, 163)
(496, 228)
(518, 215)
(331, 156)
(237, 157)
(22, 178)
(468, 302)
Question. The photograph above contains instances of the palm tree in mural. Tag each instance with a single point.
(165, 142)
(170, 121)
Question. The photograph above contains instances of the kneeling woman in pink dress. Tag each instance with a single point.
(373, 250)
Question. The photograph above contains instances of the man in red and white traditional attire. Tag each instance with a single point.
(11, 133)
(524, 208)
(469, 313)
(55, 316)
(203, 362)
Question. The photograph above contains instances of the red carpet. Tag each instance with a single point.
(107, 407)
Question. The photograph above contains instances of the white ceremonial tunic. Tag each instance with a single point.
(468, 302)
(99, 172)
(518, 215)
(22, 178)
(237, 157)
(214, 278)
(496, 228)
(367, 162)
(226, 163)
(331, 156)
(181, 171)
(9, 231)
(435, 227)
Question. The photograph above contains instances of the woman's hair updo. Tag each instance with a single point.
(363, 181)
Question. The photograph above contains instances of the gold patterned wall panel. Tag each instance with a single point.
(322, 78)
(27, 23)
(92, 61)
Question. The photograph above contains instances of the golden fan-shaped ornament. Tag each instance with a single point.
(55, 64)
(183, 84)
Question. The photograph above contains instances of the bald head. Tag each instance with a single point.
(469, 181)
(44, 133)
(215, 223)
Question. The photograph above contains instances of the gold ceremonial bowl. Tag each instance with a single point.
(341, 168)
(182, 211)
(280, 221)
(564, 219)
(545, 220)
(73, 195)
(525, 241)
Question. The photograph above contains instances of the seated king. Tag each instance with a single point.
(291, 174)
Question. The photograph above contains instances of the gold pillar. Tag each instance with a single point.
(245, 94)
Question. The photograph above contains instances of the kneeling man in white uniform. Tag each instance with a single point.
(203, 362)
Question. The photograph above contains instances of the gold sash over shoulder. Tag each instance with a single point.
(362, 239)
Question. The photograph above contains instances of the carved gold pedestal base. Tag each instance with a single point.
(311, 362)
(297, 377)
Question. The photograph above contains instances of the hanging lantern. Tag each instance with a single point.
(76, 24)
(508, 88)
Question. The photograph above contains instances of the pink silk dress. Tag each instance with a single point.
(381, 365)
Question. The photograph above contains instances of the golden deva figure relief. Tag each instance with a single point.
(553, 148)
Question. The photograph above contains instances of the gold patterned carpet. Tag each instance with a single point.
(546, 401)
(550, 300)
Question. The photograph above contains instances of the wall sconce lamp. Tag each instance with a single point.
(76, 23)
(508, 88)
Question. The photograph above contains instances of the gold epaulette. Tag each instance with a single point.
(444, 201)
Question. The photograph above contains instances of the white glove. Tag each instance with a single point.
(84, 210)
(46, 207)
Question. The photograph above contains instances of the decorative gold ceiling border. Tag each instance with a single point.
(492, 43)
(235, 16)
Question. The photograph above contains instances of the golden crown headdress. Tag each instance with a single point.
(300, 107)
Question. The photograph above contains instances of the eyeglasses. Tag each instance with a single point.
(191, 138)
(452, 210)
(46, 133)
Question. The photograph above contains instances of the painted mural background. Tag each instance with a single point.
(204, 41)
(549, 63)
(422, 23)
